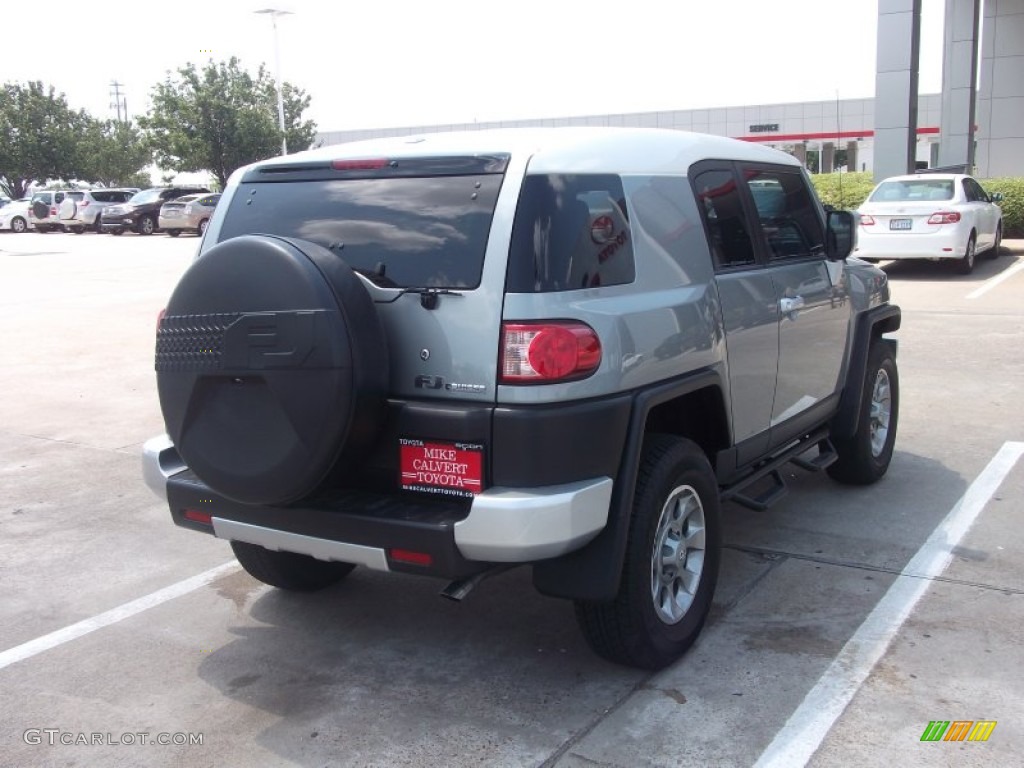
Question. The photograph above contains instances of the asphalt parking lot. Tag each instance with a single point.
(846, 620)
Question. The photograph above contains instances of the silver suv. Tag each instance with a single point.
(81, 212)
(448, 355)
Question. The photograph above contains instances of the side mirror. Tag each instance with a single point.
(997, 197)
(841, 234)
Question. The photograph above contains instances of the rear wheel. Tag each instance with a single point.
(864, 457)
(147, 226)
(173, 232)
(965, 264)
(671, 564)
(201, 229)
(18, 224)
(287, 570)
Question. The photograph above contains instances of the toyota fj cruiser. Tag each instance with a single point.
(450, 354)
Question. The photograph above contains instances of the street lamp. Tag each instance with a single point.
(274, 13)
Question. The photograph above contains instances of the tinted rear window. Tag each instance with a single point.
(571, 231)
(400, 232)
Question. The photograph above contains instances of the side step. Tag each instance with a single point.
(770, 471)
(826, 457)
(766, 498)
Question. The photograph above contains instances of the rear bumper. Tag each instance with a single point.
(499, 525)
(934, 245)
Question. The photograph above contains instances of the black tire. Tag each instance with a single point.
(999, 241)
(97, 227)
(146, 226)
(965, 264)
(287, 570)
(173, 232)
(201, 229)
(78, 230)
(117, 231)
(18, 225)
(864, 458)
(632, 629)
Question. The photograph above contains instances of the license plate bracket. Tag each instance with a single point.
(447, 469)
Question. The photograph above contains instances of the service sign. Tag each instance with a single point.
(450, 469)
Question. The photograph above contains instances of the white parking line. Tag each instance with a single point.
(114, 615)
(992, 282)
(807, 727)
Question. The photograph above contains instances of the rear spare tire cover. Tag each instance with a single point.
(271, 362)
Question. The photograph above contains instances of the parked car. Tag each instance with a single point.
(478, 350)
(930, 216)
(78, 214)
(141, 214)
(44, 211)
(14, 216)
(190, 213)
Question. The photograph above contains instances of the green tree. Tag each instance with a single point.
(114, 153)
(221, 117)
(40, 137)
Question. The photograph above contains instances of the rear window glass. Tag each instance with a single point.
(570, 231)
(400, 232)
(913, 189)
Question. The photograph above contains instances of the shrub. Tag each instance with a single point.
(857, 186)
(1012, 203)
(843, 191)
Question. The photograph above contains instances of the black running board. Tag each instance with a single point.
(769, 470)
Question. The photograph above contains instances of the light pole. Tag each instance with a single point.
(274, 13)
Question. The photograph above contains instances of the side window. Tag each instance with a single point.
(718, 200)
(969, 191)
(59, 197)
(570, 231)
(788, 216)
(975, 192)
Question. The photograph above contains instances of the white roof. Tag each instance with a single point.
(562, 150)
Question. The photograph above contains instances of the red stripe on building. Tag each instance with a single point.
(866, 134)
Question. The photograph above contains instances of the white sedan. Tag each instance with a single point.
(930, 216)
(14, 216)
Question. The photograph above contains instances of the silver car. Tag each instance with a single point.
(187, 214)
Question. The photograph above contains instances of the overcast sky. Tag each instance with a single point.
(403, 62)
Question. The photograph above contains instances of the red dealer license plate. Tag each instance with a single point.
(451, 469)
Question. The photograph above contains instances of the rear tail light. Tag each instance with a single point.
(83, 203)
(53, 210)
(546, 352)
(944, 217)
(866, 221)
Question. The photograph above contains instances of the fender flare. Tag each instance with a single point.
(870, 325)
(594, 572)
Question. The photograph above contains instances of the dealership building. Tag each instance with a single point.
(977, 121)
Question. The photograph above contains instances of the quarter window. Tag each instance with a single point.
(571, 231)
